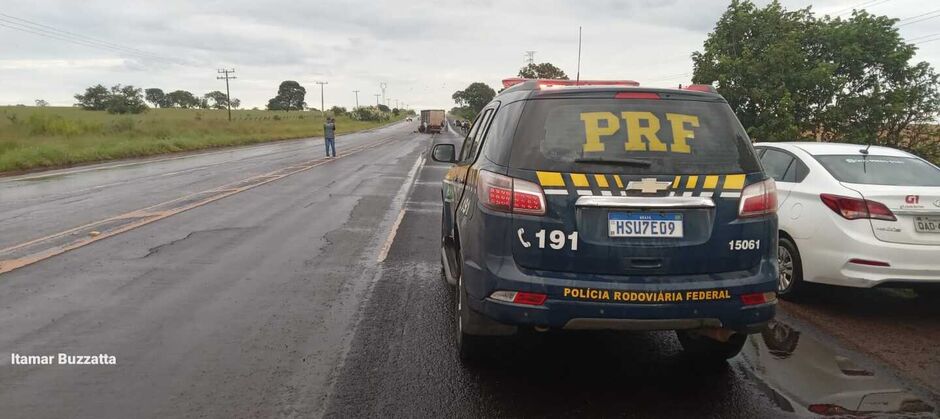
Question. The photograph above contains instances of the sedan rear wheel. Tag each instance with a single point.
(790, 279)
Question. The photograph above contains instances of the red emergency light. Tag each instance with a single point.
(507, 83)
(707, 88)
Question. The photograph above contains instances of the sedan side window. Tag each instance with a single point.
(468, 141)
(776, 164)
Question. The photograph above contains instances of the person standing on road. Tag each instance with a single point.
(329, 136)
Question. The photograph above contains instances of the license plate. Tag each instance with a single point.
(644, 224)
(923, 224)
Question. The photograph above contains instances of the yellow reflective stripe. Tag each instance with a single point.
(733, 182)
(601, 181)
(619, 182)
(550, 179)
(675, 183)
(691, 183)
(580, 180)
(710, 182)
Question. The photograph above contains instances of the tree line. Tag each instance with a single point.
(129, 99)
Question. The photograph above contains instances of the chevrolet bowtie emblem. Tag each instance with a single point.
(648, 185)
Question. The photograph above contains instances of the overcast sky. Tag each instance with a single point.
(424, 50)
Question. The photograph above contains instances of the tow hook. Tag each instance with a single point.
(717, 333)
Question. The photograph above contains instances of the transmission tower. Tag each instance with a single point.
(529, 57)
(383, 85)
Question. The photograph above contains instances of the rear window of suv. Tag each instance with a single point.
(638, 136)
(881, 170)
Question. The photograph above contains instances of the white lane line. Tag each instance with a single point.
(400, 198)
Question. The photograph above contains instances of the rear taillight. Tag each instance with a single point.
(857, 208)
(520, 297)
(758, 298)
(503, 193)
(758, 199)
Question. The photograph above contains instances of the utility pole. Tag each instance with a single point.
(383, 85)
(322, 108)
(396, 103)
(377, 96)
(228, 96)
(357, 98)
(577, 79)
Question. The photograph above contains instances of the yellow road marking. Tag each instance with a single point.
(691, 182)
(601, 181)
(619, 182)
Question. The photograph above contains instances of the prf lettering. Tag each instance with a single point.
(642, 130)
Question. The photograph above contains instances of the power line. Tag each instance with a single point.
(922, 37)
(856, 6)
(917, 16)
(919, 20)
(927, 40)
(23, 25)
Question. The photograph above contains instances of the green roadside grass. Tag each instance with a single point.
(33, 138)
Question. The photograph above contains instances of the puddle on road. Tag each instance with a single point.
(803, 375)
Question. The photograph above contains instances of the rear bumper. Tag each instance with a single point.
(677, 302)
(828, 260)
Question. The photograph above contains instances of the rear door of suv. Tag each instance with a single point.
(637, 184)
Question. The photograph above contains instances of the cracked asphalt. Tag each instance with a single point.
(319, 294)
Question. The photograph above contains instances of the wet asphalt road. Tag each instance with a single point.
(320, 294)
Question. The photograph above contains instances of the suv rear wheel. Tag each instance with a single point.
(708, 350)
(469, 347)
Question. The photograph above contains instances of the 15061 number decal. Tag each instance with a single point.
(744, 244)
(557, 239)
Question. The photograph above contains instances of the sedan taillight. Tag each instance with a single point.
(857, 208)
(503, 193)
(758, 199)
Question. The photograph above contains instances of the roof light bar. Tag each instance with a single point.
(507, 83)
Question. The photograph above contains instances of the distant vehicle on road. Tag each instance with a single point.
(432, 120)
(855, 216)
(409, 119)
(602, 205)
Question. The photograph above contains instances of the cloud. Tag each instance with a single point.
(424, 50)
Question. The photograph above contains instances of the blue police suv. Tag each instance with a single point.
(602, 205)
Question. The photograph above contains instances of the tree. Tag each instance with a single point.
(182, 99)
(217, 99)
(236, 103)
(290, 96)
(126, 99)
(95, 98)
(41, 103)
(384, 108)
(156, 97)
(789, 75)
(475, 96)
(542, 71)
(338, 110)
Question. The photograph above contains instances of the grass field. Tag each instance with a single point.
(48, 137)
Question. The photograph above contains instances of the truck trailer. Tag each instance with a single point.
(432, 120)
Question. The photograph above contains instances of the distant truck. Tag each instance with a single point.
(432, 120)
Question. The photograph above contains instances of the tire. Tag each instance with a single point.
(470, 348)
(790, 279)
(710, 351)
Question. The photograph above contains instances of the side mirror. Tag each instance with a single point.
(444, 153)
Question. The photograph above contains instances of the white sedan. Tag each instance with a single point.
(854, 216)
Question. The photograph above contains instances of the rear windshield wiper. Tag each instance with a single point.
(628, 162)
